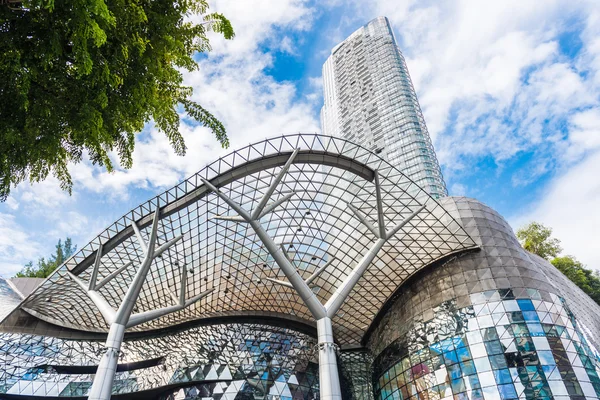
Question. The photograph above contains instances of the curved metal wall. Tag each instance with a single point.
(494, 324)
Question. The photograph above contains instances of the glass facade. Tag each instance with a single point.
(494, 324)
(369, 99)
(224, 361)
(501, 347)
(451, 307)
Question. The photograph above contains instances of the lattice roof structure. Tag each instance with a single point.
(323, 213)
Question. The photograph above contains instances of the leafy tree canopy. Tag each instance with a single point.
(537, 239)
(45, 268)
(86, 75)
(586, 279)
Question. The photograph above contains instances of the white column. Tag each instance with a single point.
(329, 381)
(105, 375)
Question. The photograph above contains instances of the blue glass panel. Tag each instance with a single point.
(531, 316)
(494, 347)
(536, 329)
(473, 381)
(468, 367)
(507, 392)
(463, 354)
(502, 376)
(458, 385)
(498, 361)
(520, 330)
(515, 316)
(526, 305)
(546, 357)
(450, 357)
(477, 394)
(454, 371)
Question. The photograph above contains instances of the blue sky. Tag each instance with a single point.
(510, 91)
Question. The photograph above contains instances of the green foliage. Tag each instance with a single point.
(586, 279)
(45, 268)
(86, 75)
(537, 239)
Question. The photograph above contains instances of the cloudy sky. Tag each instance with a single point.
(510, 91)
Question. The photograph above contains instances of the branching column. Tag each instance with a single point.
(329, 382)
(122, 318)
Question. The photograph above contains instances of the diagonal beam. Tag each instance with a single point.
(363, 219)
(139, 236)
(275, 204)
(105, 309)
(173, 296)
(306, 294)
(277, 281)
(339, 296)
(380, 220)
(285, 253)
(395, 230)
(233, 218)
(166, 246)
(236, 207)
(263, 202)
(94, 277)
(317, 272)
(147, 316)
(183, 285)
(112, 275)
(126, 307)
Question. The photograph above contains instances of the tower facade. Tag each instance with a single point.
(369, 99)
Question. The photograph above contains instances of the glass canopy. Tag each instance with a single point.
(322, 214)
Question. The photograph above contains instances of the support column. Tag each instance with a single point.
(123, 318)
(329, 380)
(105, 375)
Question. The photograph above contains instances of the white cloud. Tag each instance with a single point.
(12, 203)
(458, 189)
(494, 85)
(42, 195)
(570, 207)
(584, 132)
(16, 245)
(231, 83)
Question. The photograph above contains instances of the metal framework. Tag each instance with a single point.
(322, 313)
(123, 318)
(322, 230)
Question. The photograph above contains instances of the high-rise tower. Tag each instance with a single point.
(370, 100)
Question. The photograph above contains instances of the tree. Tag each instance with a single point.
(537, 239)
(81, 76)
(45, 268)
(586, 279)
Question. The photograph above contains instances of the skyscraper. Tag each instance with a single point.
(370, 100)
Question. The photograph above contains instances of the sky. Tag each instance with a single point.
(510, 91)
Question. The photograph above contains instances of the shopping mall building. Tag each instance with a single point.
(308, 266)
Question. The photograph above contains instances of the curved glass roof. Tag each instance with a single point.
(315, 224)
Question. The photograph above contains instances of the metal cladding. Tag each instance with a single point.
(500, 323)
(328, 190)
